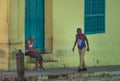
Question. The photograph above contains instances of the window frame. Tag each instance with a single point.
(86, 31)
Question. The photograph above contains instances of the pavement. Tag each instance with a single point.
(60, 73)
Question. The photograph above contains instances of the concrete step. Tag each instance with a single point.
(48, 62)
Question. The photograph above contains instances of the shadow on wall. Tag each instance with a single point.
(60, 53)
(2, 54)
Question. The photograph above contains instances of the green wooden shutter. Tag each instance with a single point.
(94, 16)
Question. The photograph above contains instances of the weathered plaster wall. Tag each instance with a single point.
(4, 49)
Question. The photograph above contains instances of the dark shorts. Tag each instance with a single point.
(37, 56)
(81, 47)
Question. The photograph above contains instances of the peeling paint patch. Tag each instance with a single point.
(2, 53)
(97, 61)
(59, 53)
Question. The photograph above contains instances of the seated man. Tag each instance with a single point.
(32, 52)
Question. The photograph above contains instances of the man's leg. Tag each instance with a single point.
(84, 65)
(82, 54)
(37, 58)
(41, 63)
(79, 50)
(37, 64)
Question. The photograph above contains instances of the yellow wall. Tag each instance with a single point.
(104, 48)
(65, 17)
(4, 57)
(16, 30)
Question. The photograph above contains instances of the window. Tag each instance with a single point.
(94, 16)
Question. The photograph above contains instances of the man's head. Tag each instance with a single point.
(31, 38)
(79, 30)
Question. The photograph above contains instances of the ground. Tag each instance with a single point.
(101, 73)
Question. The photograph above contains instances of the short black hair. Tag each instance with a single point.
(78, 29)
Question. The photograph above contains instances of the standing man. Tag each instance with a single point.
(81, 41)
(32, 52)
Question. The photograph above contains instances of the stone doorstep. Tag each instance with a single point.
(31, 67)
(44, 61)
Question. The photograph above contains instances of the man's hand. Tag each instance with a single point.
(39, 51)
(35, 51)
(88, 49)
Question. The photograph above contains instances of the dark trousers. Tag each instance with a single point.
(38, 57)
